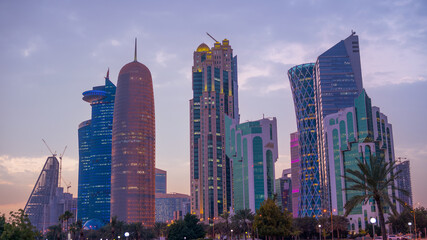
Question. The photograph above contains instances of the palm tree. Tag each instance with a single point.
(226, 222)
(243, 220)
(372, 180)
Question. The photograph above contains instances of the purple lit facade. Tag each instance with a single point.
(133, 146)
(295, 173)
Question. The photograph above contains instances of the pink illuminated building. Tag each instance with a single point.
(133, 146)
(295, 173)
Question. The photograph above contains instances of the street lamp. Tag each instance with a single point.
(320, 232)
(231, 234)
(373, 221)
(410, 224)
(126, 235)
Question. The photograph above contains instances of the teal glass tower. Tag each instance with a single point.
(214, 75)
(308, 191)
(252, 148)
(356, 133)
(95, 154)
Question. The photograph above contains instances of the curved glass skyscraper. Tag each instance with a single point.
(302, 86)
(133, 146)
(95, 154)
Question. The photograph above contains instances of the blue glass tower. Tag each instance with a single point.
(302, 86)
(337, 82)
(95, 154)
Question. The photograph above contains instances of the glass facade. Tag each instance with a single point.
(337, 82)
(133, 147)
(309, 191)
(168, 204)
(161, 181)
(352, 135)
(214, 97)
(252, 148)
(95, 154)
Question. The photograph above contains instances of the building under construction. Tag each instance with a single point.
(47, 200)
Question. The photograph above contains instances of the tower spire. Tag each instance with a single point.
(108, 74)
(135, 51)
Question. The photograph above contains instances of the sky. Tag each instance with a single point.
(52, 51)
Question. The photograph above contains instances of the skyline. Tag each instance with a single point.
(51, 53)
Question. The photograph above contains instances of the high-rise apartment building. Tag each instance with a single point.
(337, 82)
(295, 174)
(284, 190)
(161, 181)
(352, 134)
(133, 146)
(404, 182)
(95, 154)
(307, 191)
(252, 148)
(214, 77)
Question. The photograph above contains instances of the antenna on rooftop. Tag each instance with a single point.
(211, 37)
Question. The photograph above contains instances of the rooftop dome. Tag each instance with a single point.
(203, 48)
(93, 224)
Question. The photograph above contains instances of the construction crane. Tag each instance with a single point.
(211, 37)
(60, 167)
(53, 154)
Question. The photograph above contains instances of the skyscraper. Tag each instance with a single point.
(161, 181)
(214, 76)
(404, 181)
(133, 146)
(305, 164)
(284, 190)
(252, 148)
(337, 82)
(295, 173)
(356, 133)
(95, 154)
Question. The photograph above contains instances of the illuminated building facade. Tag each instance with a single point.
(95, 154)
(295, 173)
(337, 82)
(252, 148)
(305, 163)
(284, 190)
(356, 133)
(133, 146)
(169, 203)
(214, 82)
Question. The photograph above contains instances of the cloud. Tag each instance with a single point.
(33, 45)
(163, 57)
(250, 71)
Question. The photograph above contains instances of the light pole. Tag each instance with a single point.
(231, 234)
(373, 221)
(410, 224)
(126, 235)
(320, 232)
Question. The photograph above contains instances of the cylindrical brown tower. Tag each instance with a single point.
(133, 146)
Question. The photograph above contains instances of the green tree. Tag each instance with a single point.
(242, 222)
(54, 232)
(307, 226)
(160, 229)
(18, 227)
(190, 228)
(66, 217)
(270, 221)
(224, 225)
(399, 222)
(372, 180)
(2, 223)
